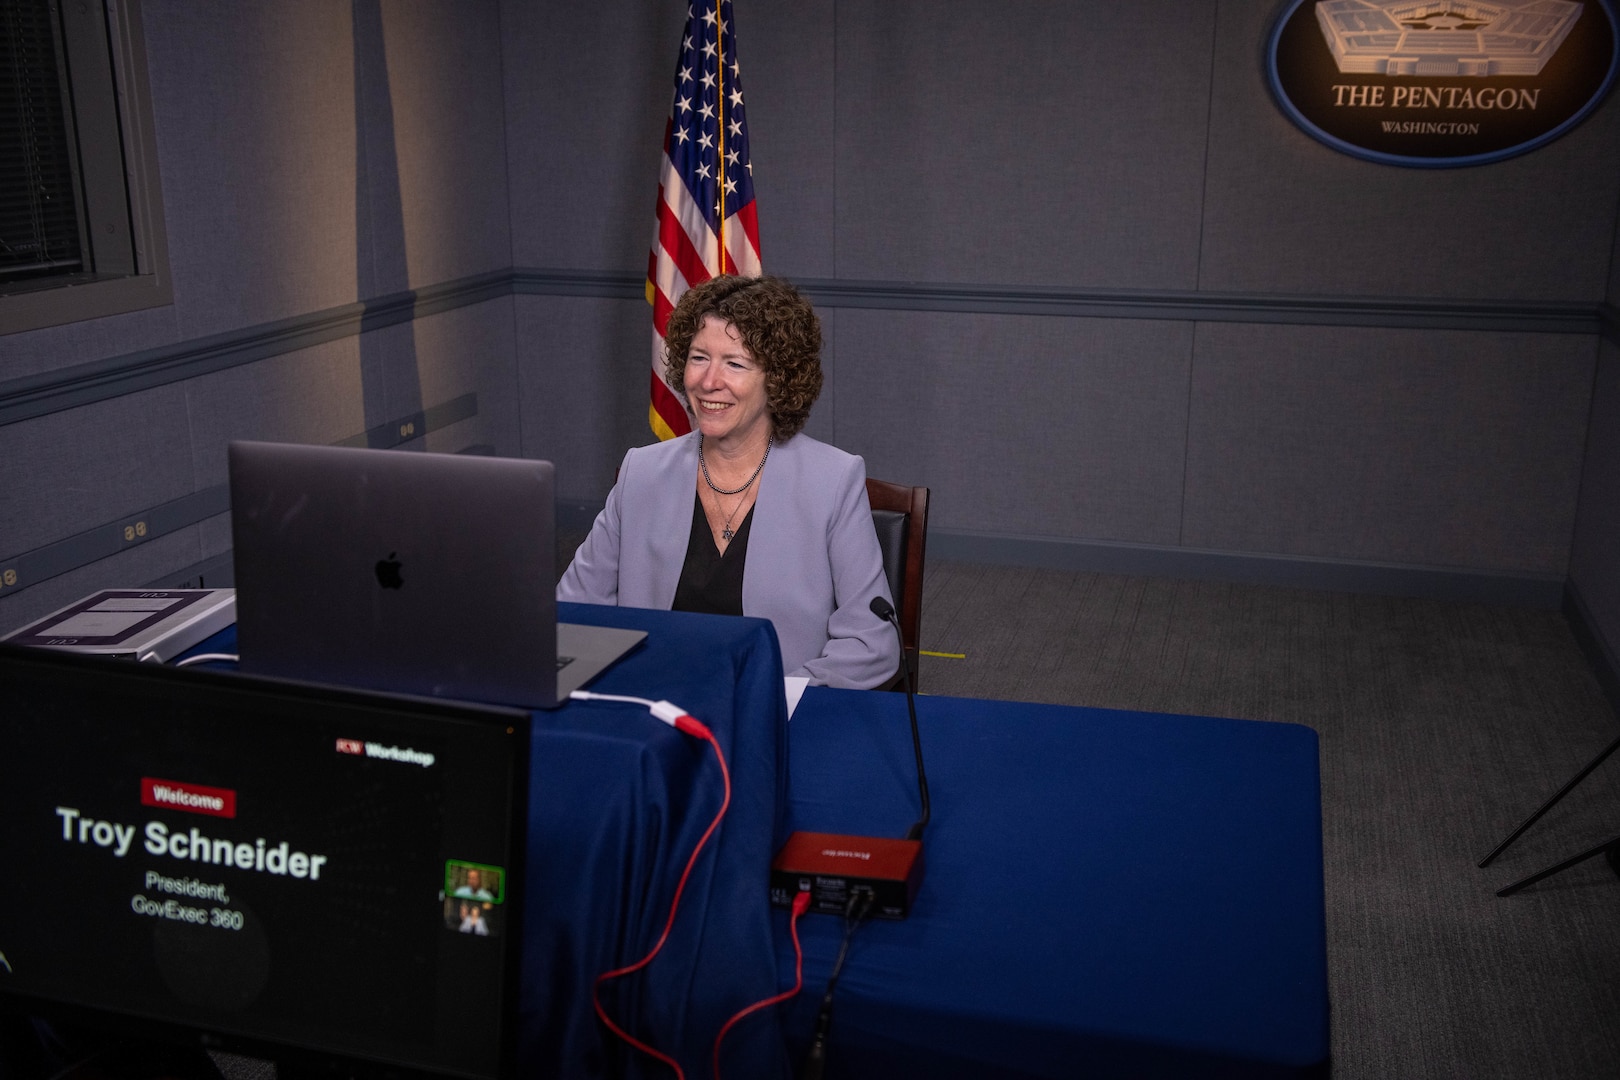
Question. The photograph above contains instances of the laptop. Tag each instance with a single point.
(431, 574)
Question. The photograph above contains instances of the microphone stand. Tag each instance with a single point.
(816, 1060)
(885, 611)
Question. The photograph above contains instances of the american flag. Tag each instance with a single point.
(706, 223)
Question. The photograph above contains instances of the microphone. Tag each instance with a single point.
(885, 611)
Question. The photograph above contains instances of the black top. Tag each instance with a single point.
(711, 583)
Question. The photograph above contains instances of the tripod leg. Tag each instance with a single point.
(1607, 845)
(1550, 803)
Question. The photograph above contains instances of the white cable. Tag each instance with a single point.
(667, 711)
(586, 695)
(202, 657)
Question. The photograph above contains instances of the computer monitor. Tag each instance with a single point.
(304, 874)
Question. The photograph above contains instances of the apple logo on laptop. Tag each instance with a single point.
(388, 575)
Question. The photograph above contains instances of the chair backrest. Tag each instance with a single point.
(900, 514)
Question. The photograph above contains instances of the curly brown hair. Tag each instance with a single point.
(778, 327)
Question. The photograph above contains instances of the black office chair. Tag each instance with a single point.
(900, 514)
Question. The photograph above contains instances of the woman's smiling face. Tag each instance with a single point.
(726, 386)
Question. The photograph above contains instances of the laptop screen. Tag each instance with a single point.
(285, 870)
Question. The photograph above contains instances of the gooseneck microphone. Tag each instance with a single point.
(885, 611)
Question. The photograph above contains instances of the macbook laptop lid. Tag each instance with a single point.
(425, 573)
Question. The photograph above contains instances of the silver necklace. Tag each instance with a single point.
(726, 532)
(704, 465)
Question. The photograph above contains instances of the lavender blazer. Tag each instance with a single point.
(813, 560)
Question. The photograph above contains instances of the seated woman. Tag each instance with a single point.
(744, 515)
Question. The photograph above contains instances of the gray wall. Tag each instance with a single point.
(315, 156)
(1094, 147)
(1594, 570)
(1595, 562)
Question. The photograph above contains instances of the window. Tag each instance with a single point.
(39, 225)
(79, 200)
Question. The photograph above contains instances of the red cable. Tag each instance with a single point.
(801, 903)
(694, 728)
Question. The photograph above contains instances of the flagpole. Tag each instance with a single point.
(720, 113)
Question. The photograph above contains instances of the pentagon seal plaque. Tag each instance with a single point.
(1441, 83)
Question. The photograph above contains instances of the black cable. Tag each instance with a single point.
(815, 1062)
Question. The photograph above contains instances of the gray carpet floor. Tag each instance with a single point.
(1442, 725)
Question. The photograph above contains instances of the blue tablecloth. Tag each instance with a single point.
(618, 800)
(1107, 894)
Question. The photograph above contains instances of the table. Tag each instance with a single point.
(1107, 893)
